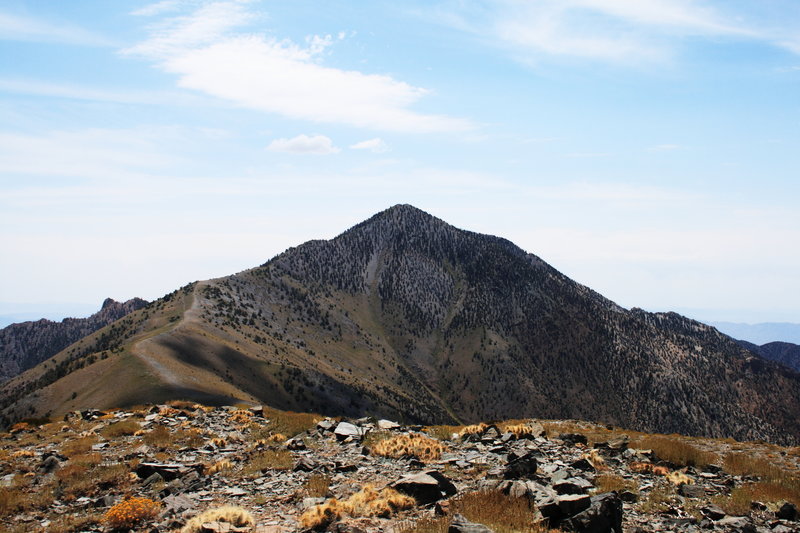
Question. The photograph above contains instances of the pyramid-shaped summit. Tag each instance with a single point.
(408, 317)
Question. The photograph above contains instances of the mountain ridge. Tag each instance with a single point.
(23, 345)
(408, 317)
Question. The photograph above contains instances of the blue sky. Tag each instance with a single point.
(649, 149)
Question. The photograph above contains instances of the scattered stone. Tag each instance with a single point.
(426, 487)
(712, 512)
(521, 467)
(462, 525)
(573, 439)
(788, 511)
(345, 430)
(603, 515)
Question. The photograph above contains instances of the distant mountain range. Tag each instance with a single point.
(761, 333)
(26, 344)
(785, 353)
(407, 317)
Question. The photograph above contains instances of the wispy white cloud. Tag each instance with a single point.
(376, 145)
(22, 28)
(304, 144)
(618, 31)
(210, 52)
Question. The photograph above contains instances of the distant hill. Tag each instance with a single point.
(760, 334)
(785, 353)
(26, 344)
(407, 317)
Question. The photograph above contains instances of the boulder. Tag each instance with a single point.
(345, 430)
(603, 515)
(426, 487)
(521, 467)
(788, 511)
(462, 525)
(573, 438)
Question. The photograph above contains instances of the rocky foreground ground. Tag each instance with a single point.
(160, 468)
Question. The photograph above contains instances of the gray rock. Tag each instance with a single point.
(304, 464)
(788, 511)
(426, 487)
(462, 525)
(573, 438)
(603, 515)
(692, 491)
(521, 467)
(572, 485)
(346, 430)
(713, 512)
(572, 504)
(388, 424)
(737, 523)
(49, 465)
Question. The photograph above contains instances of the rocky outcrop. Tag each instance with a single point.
(188, 460)
(26, 344)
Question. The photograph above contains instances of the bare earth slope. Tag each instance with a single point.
(408, 317)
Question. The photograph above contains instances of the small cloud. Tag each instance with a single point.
(375, 145)
(303, 144)
(664, 147)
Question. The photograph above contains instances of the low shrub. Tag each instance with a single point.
(122, 428)
(131, 512)
(409, 445)
(236, 516)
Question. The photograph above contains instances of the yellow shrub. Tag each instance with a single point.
(473, 429)
(235, 516)
(366, 502)
(241, 416)
(596, 460)
(23, 453)
(319, 516)
(410, 445)
(219, 466)
(130, 513)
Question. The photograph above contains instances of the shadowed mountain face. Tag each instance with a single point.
(785, 353)
(405, 316)
(26, 344)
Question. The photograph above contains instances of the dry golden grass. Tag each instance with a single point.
(74, 523)
(501, 513)
(19, 498)
(265, 460)
(235, 516)
(775, 479)
(520, 428)
(317, 486)
(78, 446)
(366, 502)
(77, 480)
(159, 436)
(609, 482)
(286, 422)
(675, 450)
(122, 428)
(409, 445)
(442, 432)
(659, 499)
